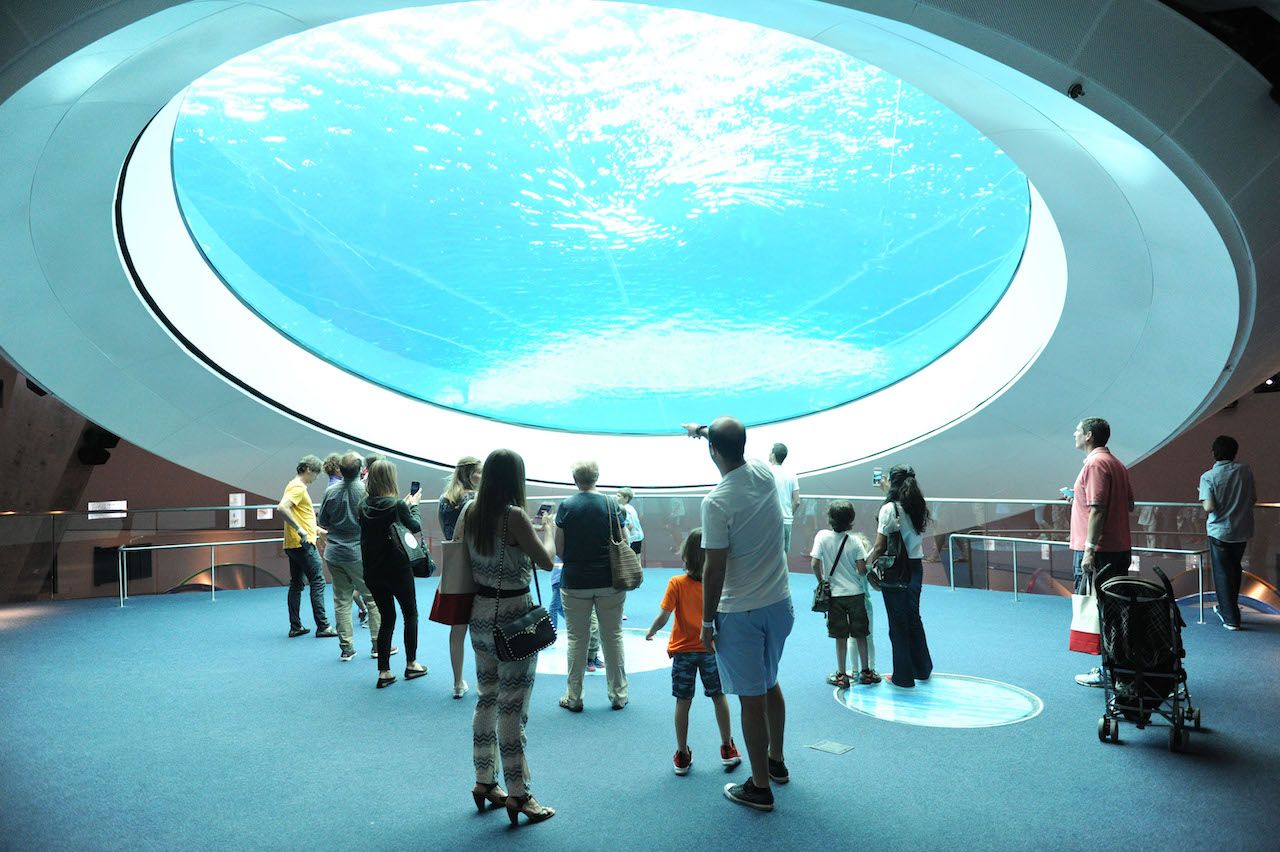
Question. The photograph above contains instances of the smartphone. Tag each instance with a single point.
(877, 476)
(545, 509)
(415, 487)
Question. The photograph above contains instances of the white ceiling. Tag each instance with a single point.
(1163, 237)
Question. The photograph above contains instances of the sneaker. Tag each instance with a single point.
(778, 772)
(571, 706)
(364, 618)
(868, 677)
(683, 761)
(298, 631)
(595, 664)
(348, 656)
(326, 633)
(1093, 677)
(374, 653)
(591, 665)
(461, 689)
(1232, 626)
(729, 755)
(750, 795)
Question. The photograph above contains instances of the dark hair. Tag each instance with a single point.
(309, 463)
(779, 453)
(693, 555)
(1225, 448)
(371, 458)
(349, 465)
(729, 438)
(905, 490)
(330, 464)
(382, 480)
(840, 513)
(1100, 428)
(501, 487)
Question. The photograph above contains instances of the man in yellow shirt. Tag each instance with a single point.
(300, 533)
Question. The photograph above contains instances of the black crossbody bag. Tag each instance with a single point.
(523, 637)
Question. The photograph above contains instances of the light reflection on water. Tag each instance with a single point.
(596, 216)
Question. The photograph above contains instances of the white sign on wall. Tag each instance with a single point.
(266, 514)
(103, 509)
(236, 519)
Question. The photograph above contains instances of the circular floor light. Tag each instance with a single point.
(945, 701)
(599, 217)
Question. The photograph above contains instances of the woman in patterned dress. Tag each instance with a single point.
(504, 546)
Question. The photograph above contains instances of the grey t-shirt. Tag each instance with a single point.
(1231, 486)
(338, 516)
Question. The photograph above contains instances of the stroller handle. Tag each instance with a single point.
(1168, 587)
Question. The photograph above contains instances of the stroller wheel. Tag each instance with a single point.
(1115, 731)
(1178, 738)
(1104, 729)
(1196, 718)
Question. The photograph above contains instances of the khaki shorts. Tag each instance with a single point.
(847, 618)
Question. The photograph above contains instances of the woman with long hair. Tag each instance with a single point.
(505, 548)
(388, 581)
(904, 510)
(460, 488)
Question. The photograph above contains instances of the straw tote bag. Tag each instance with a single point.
(624, 562)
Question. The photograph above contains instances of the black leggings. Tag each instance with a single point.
(397, 587)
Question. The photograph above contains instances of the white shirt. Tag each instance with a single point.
(845, 579)
(889, 522)
(634, 531)
(742, 514)
(787, 485)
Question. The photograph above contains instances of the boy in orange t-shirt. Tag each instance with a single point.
(689, 658)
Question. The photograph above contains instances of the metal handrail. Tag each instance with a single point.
(951, 559)
(213, 551)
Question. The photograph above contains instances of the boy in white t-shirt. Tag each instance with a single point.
(840, 558)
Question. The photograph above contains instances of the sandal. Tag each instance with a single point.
(833, 677)
(410, 674)
(842, 681)
(868, 677)
(490, 794)
(528, 806)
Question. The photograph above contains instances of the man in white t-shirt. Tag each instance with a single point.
(788, 492)
(746, 601)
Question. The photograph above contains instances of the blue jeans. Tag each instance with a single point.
(304, 569)
(556, 608)
(911, 658)
(1225, 557)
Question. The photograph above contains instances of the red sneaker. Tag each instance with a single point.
(683, 761)
(729, 755)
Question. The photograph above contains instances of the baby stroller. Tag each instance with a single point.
(1142, 658)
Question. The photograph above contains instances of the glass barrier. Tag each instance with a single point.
(74, 555)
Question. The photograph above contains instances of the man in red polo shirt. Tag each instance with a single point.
(1101, 502)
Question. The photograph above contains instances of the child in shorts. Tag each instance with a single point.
(690, 658)
(840, 558)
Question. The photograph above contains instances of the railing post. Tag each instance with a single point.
(213, 573)
(951, 559)
(1015, 572)
(1200, 582)
(120, 571)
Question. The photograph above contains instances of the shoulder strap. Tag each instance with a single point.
(836, 561)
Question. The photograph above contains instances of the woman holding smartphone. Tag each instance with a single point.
(505, 549)
(460, 489)
(389, 582)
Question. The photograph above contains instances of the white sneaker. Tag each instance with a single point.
(374, 653)
(1093, 678)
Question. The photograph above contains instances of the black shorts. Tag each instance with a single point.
(847, 618)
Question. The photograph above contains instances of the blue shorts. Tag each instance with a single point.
(749, 645)
(685, 668)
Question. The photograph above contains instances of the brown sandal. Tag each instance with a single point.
(528, 806)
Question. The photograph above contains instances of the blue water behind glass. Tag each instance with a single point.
(596, 216)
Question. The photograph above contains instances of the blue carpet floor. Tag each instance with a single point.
(177, 723)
